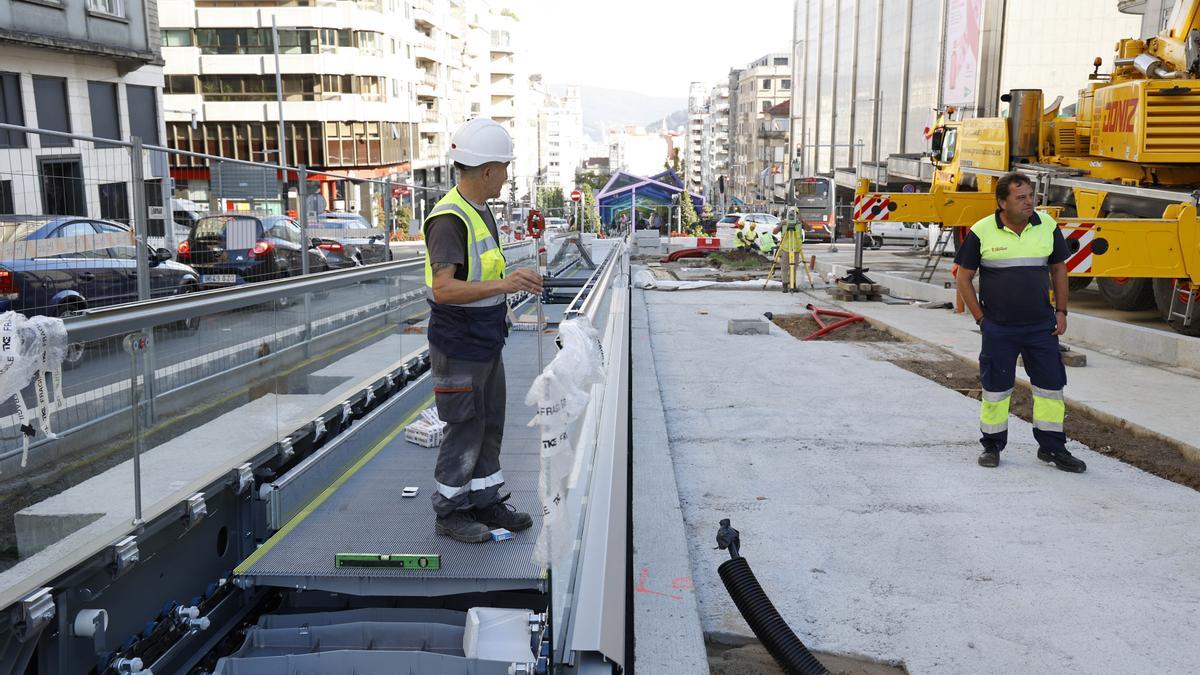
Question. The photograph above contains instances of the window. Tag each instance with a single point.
(11, 113)
(781, 60)
(180, 84)
(143, 115)
(114, 201)
(50, 98)
(766, 83)
(177, 38)
(109, 7)
(106, 121)
(120, 252)
(785, 84)
(6, 197)
(766, 105)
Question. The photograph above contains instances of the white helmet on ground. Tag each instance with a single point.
(479, 141)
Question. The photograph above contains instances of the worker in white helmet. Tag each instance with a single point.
(467, 285)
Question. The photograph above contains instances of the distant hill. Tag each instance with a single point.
(675, 121)
(607, 108)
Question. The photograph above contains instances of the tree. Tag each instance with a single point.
(688, 217)
(591, 216)
(595, 178)
(550, 200)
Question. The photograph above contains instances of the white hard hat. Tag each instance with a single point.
(479, 141)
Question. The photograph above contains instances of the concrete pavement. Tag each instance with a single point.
(869, 524)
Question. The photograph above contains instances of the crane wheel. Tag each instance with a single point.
(1126, 293)
(1163, 289)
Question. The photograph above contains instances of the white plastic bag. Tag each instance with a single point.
(561, 393)
(31, 349)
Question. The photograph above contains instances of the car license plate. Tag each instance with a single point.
(219, 278)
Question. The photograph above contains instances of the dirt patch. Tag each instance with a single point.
(802, 325)
(738, 260)
(751, 658)
(1154, 455)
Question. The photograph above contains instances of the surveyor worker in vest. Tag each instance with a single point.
(766, 241)
(1018, 253)
(749, 235)
(791, 238)
(467, 283)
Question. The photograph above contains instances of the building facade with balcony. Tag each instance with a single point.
(560, 130)
(350, 91)
(88, 67)
(693, 158)
(715, 144)
(761, 86)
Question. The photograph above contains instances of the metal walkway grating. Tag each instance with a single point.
(367, 515)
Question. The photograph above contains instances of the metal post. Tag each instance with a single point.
(388, 215)
(134, 343)
(302, 197)
(283, 159)
(168, 189)
(142, 251)
(137, 176)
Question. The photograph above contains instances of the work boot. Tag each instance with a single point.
(1062, 459)
(989, 458)
(462, 526)
(504, 515)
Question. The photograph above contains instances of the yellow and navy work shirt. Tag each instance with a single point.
(1014, 274)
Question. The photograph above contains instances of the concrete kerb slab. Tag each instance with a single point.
(667, 632)
(1110, 337)
(874, 532)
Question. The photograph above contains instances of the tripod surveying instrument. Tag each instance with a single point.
(791, 248)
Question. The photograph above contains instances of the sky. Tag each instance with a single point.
(609, 43)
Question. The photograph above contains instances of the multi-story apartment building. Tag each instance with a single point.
(352, 100)
(88, 67)
(561, 139)
(694, 159)
(761, 86)
(878, 74)
(715, 143)
(636, 151)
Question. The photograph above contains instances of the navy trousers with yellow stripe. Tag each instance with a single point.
(1037, 344)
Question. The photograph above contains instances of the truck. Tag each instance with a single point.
(1119, 170)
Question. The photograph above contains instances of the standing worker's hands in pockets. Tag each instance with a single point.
(1060, 321)
(524, 279)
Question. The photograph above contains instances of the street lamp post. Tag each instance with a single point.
(283, 197)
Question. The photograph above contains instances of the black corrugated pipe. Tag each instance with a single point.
(756, 608)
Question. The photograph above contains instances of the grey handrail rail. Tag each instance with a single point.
(105, 322)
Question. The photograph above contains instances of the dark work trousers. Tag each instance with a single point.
(1038, 345)
(470, 399)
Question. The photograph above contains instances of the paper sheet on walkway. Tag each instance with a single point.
(561, 393)
(645, 280)
(30, 350)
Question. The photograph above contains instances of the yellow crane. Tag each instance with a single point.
(1120, 174)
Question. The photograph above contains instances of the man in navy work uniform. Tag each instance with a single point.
(468, 323)
(1018, 252)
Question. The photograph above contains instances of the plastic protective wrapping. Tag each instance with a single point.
(30, 350)
(561, 393)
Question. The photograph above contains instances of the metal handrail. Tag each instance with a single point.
(100, 323)
(587, 301)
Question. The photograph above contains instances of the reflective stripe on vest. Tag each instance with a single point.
(1002, 248)
(485, 258)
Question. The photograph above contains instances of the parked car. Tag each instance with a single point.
(885, 232)
(60, 265)
(349, 241)
(560, 224)
(237, 248)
